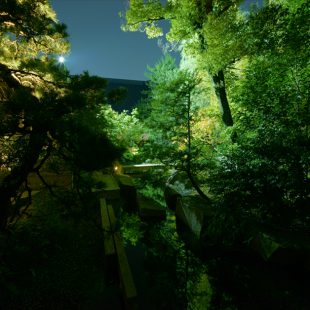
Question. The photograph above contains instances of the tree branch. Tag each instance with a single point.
(36, 75)
(149, 20)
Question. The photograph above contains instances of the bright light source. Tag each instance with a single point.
(61, 59)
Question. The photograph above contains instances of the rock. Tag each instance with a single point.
(264, 245)
(191, 210)
(177, 185)
(277, 249)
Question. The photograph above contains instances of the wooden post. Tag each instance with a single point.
(115, 255)
(109, 248)
(126, 279)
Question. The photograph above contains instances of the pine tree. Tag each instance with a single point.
(43, 109)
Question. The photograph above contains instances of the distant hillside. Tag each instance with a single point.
(134, 95)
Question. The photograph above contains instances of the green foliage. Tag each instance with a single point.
(131, 228)
(258, 170)
(165, 112)
(210, 32)
(201, 293)
(154, 191)
(257, 173)
(265, 174)
(179, 276)
(224, 37)
(79, 132)
(136, 16)
(276, 29)
(124, 129)
(29, 30)
(292, 5)
(29, 35)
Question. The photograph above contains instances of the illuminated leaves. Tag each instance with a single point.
(143, 16)
(29, 29)
(153, 31)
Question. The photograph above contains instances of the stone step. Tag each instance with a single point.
(150, 209)
(140, 168)
(105, 185)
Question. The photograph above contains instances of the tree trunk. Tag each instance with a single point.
(220, 91)
(189, 153)
(18, 175)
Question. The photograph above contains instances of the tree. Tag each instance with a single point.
(265, 173)
(30, 34)
(169, 113)
(193, 25)
(43, 110)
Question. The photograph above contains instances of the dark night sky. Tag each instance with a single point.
(99, 46)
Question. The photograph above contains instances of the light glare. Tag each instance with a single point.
(61, 59)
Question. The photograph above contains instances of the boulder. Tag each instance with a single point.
(191, 212)
(177, 185)
(280, 250)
